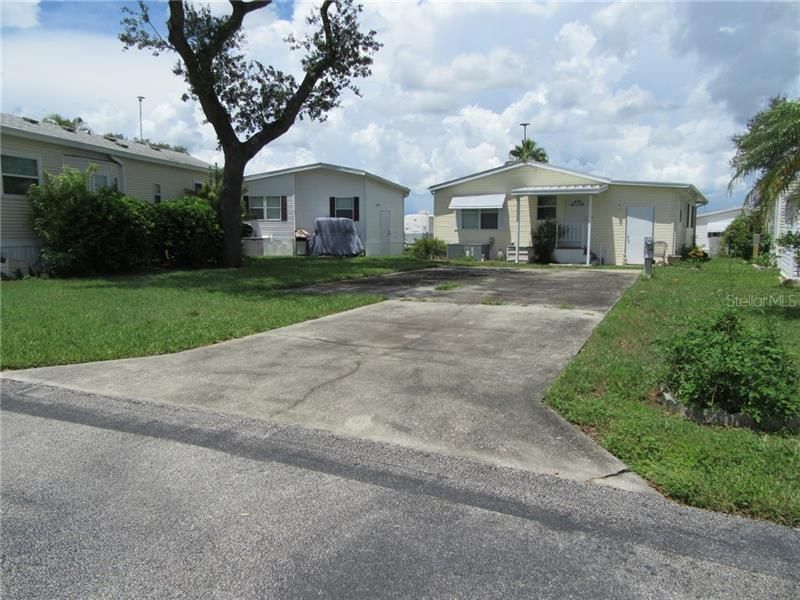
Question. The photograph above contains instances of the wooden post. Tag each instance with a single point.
(756, 245)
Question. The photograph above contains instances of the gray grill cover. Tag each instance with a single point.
(335, 237)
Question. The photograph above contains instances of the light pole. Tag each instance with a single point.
(524, 131)
(141, 137)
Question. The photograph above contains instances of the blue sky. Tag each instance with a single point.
(637, 91)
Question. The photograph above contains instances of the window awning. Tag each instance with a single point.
(484, 201)
(560, 190)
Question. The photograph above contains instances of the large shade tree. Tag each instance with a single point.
(250, 104)
(769, 153)
(528, 150)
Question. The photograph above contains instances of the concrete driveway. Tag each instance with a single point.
(443, 372)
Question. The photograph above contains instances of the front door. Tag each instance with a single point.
(386, 232)
(638, 225)
(573, 230)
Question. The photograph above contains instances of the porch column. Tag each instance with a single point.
(516, 259)
(589, 234)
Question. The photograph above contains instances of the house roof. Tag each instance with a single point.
(329, 167)
(548, 167)
(50, 132)
(724, 211)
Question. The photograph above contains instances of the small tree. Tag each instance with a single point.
(528, 150)
(545, 237)
(738, 236)
(245, 98)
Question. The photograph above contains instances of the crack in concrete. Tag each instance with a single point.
(319, 386)
(614, 474)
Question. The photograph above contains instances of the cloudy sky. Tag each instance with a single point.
(636, 91)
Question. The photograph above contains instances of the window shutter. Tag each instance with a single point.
(333, 206)
(284, 209)
(355, 208)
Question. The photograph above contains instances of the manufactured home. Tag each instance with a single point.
(492, 214)
(31, 148)
(711, 226)
(786, 219)
(282, 206)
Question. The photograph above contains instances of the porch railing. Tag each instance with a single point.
(571, 235)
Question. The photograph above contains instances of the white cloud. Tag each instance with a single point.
(19, 14)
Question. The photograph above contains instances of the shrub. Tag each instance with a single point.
(738, 237)
(187, 233)
(722, 362)
(428, 248)
(85, 232)
(694, 254)
(544, 241)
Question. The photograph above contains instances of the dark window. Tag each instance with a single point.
(489, 218)
(479, 218)
(546, 208)
(19, 174)
(156, 193)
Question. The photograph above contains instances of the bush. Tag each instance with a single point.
(428, 248)
(187, 233)
(721, 362)
(544, 241)
(694, 254)
(85, 232)
(738, 237)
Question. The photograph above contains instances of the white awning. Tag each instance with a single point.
(560, 190)
(484, 201)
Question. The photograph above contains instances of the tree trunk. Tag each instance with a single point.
(230, 209)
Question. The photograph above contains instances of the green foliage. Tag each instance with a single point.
(528, 150)
(722, 362)
(428, 248)
(544, 241)
(791, 240)
(64, 121)
(86, 232)
(769, 151)
(737, 239)
(694, 254)
(187, 233)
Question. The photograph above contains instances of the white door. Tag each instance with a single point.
(638, 225)
(386, 232)
(573, 230)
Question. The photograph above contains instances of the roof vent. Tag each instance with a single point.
(123, 144)
(70, 129)
(110, 138)
(29, 120)
(84, 128)
(156, 148)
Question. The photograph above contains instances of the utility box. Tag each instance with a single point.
(649, 255)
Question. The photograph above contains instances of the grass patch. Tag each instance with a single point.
(61, 321)
(447, 285)
(610, 390)
(491, 301)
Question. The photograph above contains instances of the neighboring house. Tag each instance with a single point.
(282, 202)
(710, 227)
(418, 225)
(31, 148)
(786, 219)
(496, 210)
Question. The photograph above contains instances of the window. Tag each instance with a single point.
(99, 181)
(198, 187)
(265, 208)
(479, 218)
(546, 208)
(344, 208)
(694, 216)
(156, 193)
(19, 174)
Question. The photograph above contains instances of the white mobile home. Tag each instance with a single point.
(710, 227)
(31, 148)
(600, 220)
(786, 219)
(280, 203)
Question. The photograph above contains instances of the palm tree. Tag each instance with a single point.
(770, 152)
(64, 121)
(528, 150)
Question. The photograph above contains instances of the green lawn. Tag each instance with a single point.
(610, 389)
(61, 321)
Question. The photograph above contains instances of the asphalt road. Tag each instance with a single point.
(111, 498)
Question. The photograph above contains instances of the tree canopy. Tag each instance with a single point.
(769, 152)
(250, 104)
(64, 121)
(528, 150)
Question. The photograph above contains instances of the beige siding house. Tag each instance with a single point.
(31, 148)
(281, 202)
(496, 211)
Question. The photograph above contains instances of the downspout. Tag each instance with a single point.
(518, 230)
(589, 234)
(122, 188)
